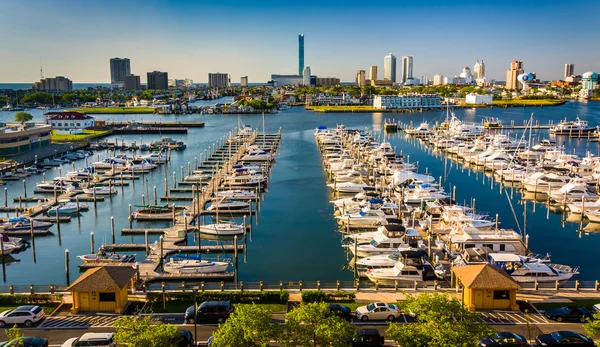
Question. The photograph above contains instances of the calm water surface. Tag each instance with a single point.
(295, 238)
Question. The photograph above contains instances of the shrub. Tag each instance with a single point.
(25, 299)
(235, 297)
(319, 296)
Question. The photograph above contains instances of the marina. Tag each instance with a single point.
(295, 211)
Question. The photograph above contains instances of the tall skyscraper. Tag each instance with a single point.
(119, 68)
(569, 70)
(407, 68)
(132, 82)
(218, 80)
(244, 81)
(516, 68)
(389, 68)
(300, 54)
(479, 70)
(306, 76)
(158, 80)
(361, 79)
(373, 73)
(438, 80)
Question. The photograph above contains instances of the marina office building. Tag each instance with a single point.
(406, 101)
(17, 138)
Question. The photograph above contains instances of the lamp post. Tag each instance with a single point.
(195, 290)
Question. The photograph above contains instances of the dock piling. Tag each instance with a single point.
(92, 248)
(146, 240)
(112, 228)
(5, 197)
(155, 197)
(25, 189)
(67, 266)
(235, 258)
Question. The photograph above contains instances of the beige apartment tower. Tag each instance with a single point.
(516, 68)
(373, 73)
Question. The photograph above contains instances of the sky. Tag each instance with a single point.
(190, 38)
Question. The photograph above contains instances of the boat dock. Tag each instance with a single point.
(159, 124)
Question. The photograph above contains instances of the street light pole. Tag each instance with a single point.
(195, 290)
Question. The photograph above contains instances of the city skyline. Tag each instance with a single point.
(80, 52)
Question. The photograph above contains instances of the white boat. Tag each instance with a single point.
(593, 216)
(410, 268)
(354, 186)
(9, 247)
(236, 194)
(222, 229)
(100, 190)
(226, 204)
(65, 207)
(156, 157)
(529, 270)
(258, 154)
(573, 190)
(366, 218)
(566, 127)
(144, 165)
(194, 266)
(387, 243)
(103, 257)
(541, 182)
(203, 177)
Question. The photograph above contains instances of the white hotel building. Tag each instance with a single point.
(406, 101)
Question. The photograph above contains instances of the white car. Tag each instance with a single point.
(91, 340)
(378, 311)
(21, 315)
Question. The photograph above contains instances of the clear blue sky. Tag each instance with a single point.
(190, 38)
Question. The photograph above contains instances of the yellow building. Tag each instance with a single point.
(20, 138)
(102, 289)
(487, 287)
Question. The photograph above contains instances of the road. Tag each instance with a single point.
(58, 333)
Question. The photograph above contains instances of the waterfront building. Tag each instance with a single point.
(20, 138)
(385, 102)
(300, 54)
(373, 73)
(361, 78)
(479, 70)
(102, 289)
(244, 81)
(58, 83)
(487, 287)
(569, 70)
(284, 80)
(69, 122)
(218, 80)
(119, 68)
(516, 69)
(448, 80)
(589, 82)
(306, 76)
(478, 99)
(158, 80)
(132, 82)
(381, 83)
(327, 81)
(389, 68)
(407, 68)
(326, 99)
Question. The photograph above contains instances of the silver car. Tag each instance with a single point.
(22, 315)
(378, 311)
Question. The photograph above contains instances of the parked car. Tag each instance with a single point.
(563, 338)
(209, 312)
(187, 339)
(367, 338)
(26, 341)
(22, 315)
(504, 339)
(378, 311)
(209, 341)
(568, 313)
(91, 340)
(341, 311)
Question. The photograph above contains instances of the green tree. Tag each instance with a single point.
(68, 98)
(313, 325)
(249, 325)
(138, 332)
(441, 321)
(14, 333)
(23, 117)
(593, 327)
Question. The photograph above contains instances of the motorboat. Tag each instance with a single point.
(66, 207)
(155, 157)
(530, 270)
(366, 218)
(227, 204)
(24, 223)
(236, 194)
(100, 190)
(410, 268)
(355, 186)
(198, 177)
(566, 127)
(384, 243)
(222, 229)
(575, 189)
(144, 165)
(421, 131)
(55, 185)
(194, 266)
(258, 154)
(103, 257)
(9, 248)
(165, 211)
(542, 182)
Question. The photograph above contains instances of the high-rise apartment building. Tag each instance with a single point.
(438, 80)
(569, 70)
(244, 81)
(132, 82)
(158, 80)
(306, 76)
(479, 70)
(58, 83)
(361, 78)
(300, 54)
(218, 80)
(373, 73)
(119, 68)
(389, 68)
(407, 68)
(516, 68)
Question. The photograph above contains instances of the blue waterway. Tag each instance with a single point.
(295, 239)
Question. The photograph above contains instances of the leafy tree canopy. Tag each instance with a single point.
(249, 325)
(138, 332)
(23, 117)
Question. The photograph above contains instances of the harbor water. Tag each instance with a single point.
(295, 237)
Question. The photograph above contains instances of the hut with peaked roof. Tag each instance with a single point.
(102, 289)
(487, 287)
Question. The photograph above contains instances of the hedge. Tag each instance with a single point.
(279, 297)
(26, 299)
(319, 296)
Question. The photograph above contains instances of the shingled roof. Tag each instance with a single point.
(485, 276)
(103, 279)
(67, 115)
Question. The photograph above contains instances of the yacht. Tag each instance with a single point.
(566, 127)
(194, 266)
(100, 190)
(355, 186)
(366, 218)
(384, 243)
(236, 194)
(225, 204)
(24, 224)
(542, 182)
(65, 207)
(529, 270)
(575, 189)
(410, 268)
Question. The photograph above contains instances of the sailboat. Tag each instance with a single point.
(194, 264)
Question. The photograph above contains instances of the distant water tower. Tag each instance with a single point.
(525, 79)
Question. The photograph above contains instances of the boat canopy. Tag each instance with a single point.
(322, 127)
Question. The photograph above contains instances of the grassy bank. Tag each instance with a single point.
(85, 134)
(114, 110)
